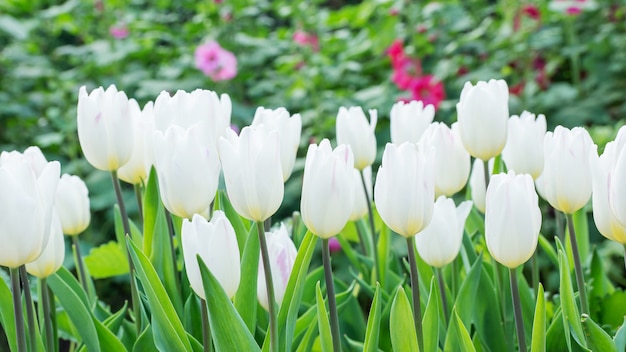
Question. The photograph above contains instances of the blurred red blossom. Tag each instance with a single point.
(303, 38)
(216, 62)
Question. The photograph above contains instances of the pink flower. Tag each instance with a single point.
(307, 39)
(531, 11)
(572, 7)
(119, 31)
(428, 89)
(216, 62)
(334, 245)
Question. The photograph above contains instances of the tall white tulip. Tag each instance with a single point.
(483, 114)
(289, 131)
(188, 170)
(617, 186)
(26, 207)
(137, 169)
(408, 121)
(72, 205)
(477, 183)
(452, 161)
(282, 254)
(252, 171)
(404, 191)
(512, 218)
(439, 243)
(523, 152)
(327, 190)
(359, 203)
(51, 259)
(566, 174)
(216, 243)
(105, 127)
(354, 130)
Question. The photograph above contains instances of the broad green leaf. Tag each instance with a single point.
(306, 344)
(108, 341)
(600, 284)
(168, 331)
(401, 325)
(228, 330)
(246, 297)
(569, 310)
(106, 261)
(548, 249)
(458, 339)
(581, 227)
(431, 319)
(538, 343)
(475, 223)
(145, 342)
(241, 226)
(620, 337)
(466, 298)
(192, 320)
(597, 338)
(373, 324)
(326, 338)
(556, 340)
(114, 321)
(151, 206)
(6, 314)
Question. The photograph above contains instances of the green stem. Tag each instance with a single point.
(370, 215)
(534, 261)
(47, 319)
(580, 279)
(487, 173)
(18, 313)
(206, 328)
(139, 201)
(79, 264)
(269, 284)
(517, 309)
(53, 319)
(415, 289)
(126, 224)
(332, 300)
(558, 219)
(30, 312)
(442, 292)
(172, 234)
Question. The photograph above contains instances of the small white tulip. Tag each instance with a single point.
(354, 130)
(523, 152)
(51, 259)
(72, 204)
(477, 183)
(408, 121)
(282, 255)
(137, 169)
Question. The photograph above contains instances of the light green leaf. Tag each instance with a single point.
(548, 249)
(620, 337)
(306, 344)
(6, 314)
(597, 338)
(246, 297)
(571, 317)
(538, 343)
(151, 206)
(373, 324)
(401, 325)
(466, 298)
(600, 284)
(106, 261)
(228, 330)
(326, 338)
(431, 319)
(145, 342)
(458, 339)
(241, 226)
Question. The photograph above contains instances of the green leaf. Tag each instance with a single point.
(538, 343)
(306, 344)
(151, 206)
(169, 334)
(569, 310)
(548, 249)
(326, 338)
(597, 338)
(581, 227)
(383, 247)
(373, 324)
(106, 261)
(6, 314)
(600, 284)
(241, 226)
(145, 342)
(458, 339)
(431, 319)
(466, 298)
(401, 325)
(228, 330)
(620, 337)
(246, 297)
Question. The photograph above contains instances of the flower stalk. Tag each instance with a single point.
(269, 284)
(17, 312)
(47, 317)
(206, 328)
(442, 293)
(30, 312)
(517, 310)
(415, 291)
(370, 215)
(80, 265)
(580, 279)
(330, 293)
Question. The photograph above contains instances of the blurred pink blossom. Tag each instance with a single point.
(428, 89)
(306, 39)
(531, 11)
(572, 7)
(334, 245)
(119, 31)
(216, 62)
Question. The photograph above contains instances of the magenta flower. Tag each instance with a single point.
(428, 89)
(307, 39)
(216, 62)
(572, 7)
(119, 31)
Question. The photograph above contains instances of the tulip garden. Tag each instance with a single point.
(375, 176)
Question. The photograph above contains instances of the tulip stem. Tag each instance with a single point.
(415, 291)
(442, 292)
(79, 264)
(47, 318)
(269, 284)
(534, 262)
(131, 266)
(580, 279)
(137, 188)
(206, 328)
(517, 310)
(17, 312)
(332, 300)
(30, 312)
(487, 173)
(172, 234)
(370, 213)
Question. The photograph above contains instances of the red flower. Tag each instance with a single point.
(531, 11)
(428, 89)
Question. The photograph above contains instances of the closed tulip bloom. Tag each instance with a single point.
(327, 190)
(72, 205)
(26, 207)
(105, 127)
(35, 158)
(408, 121)
(523, 152)
(51, 259)
(483, 114)
(566, 174)
(512, 218)
(617, 187)
(137, 169)
(477, 183)
(359, 203)
(282, 254)
(216, 243)
(252, 171)
(354, 130)
(289, 131)
(452, 161)
(439, 243)
(404, 191)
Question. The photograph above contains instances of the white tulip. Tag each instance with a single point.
(137, 169)
(282, 256)
(72, 204)
(523, 152)
(408, 121)
(51, 259)
(354, 130)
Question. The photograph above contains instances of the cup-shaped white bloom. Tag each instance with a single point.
(200, 106)
(216, 243)
(404, 191)
(483, 114)
(26, 207)
(359, 202)
(452, 161)
(512, 218)
(105, 127)
(617, 186)
(282, 255)
(289, 131)
(137, 169)
(72, 204)
(354, 130)
(408, 121)
(51, 259)
(439, 243)
(477, 183)
(566, 173)
(327, 190)
(188, 170)
(523, 152)
(35, 158)
(252, 171)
